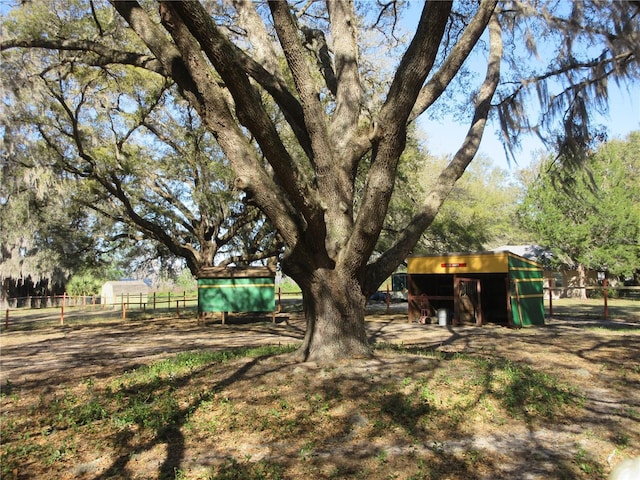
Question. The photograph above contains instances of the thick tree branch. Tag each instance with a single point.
(416, 63)
(215, 113)
(463, 47)
(264, 48)
(103, 55)
(334, 178)
(380, 269)
(349, 91)
(391, 140)
(314, 114)
(249, 107)
(158, 43)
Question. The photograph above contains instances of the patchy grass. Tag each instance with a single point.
(254, 414)
(168, 399)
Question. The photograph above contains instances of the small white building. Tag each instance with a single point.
(127, 291)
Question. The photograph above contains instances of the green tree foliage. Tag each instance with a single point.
(84, 284)
(479, 213)
(129, 149)
(591, 219)
(43, 236)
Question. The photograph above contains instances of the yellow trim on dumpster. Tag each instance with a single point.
(463, 263)
(531, 295)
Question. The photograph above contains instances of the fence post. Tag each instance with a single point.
(178, 308)
(154, 301)
(550, 302)
(604, 291)
(6, 319)
(124, 311)
(388, 298)
(62, 312)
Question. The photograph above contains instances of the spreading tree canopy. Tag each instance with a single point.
(589, 220)
(300, 102)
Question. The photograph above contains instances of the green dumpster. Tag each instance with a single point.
(236, 289)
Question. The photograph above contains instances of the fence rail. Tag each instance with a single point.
(64, 304)
(613, 291)
(155, 300)
(61, 306)
(599, 300)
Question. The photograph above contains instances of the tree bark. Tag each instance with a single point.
(334, 307)
(582, 281)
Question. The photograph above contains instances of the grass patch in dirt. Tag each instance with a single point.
(255, 414)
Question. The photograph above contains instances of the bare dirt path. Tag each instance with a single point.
(601, 358)
(59, 353)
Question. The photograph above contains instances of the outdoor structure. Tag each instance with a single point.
(236, 289)
(124, 291)
(477, 288)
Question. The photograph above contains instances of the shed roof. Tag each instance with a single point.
(126, 286)
(460, 263)
(533, 252)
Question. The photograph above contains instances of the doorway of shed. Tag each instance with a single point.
(473, 298)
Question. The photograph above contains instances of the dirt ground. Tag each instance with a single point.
(600, 358)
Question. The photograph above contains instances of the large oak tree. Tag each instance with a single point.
(285, 88)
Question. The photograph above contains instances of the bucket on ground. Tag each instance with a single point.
(443, 316)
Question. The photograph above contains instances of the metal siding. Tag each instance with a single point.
(526, 296)
(236, 294)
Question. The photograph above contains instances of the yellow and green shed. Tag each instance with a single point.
(476, 288)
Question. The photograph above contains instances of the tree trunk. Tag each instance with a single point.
(334, 307)
(582, 281)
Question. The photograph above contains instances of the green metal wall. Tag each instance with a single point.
(526, 292)
(236, 294)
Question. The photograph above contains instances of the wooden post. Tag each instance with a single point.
(550, 302)
(278, 308)
(388, 298)
(604, 291)
(124, 310)
(178, 308)
(62, 312)
(154, 301)
(6, 319)
(169, 302)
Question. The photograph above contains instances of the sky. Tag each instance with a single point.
(445, 136)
